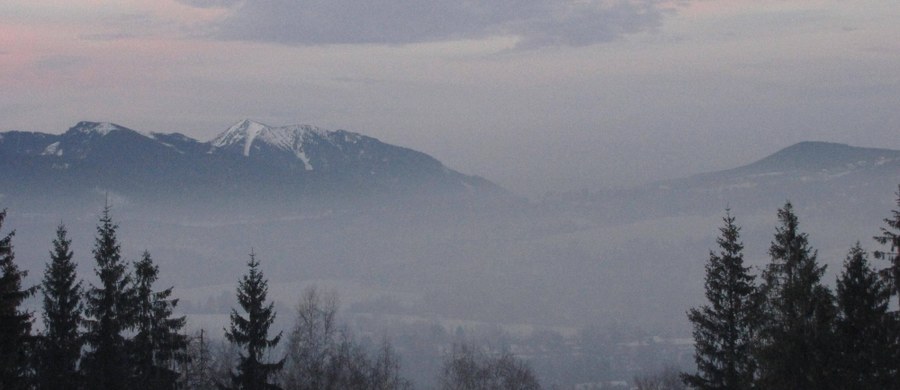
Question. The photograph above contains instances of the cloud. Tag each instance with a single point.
(107, 36)
(59, 62)
(209, 3)
(537, 23)
(124, 25)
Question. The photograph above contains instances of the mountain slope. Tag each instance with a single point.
(249, 160)
(818, 176)
(818, 158)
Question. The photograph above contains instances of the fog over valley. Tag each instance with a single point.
(486, 194)
(409, 245)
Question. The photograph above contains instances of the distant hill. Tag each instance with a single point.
(827, 176)
(823, 160)
(249, 163)
(646, 247)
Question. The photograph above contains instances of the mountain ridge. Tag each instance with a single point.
(249, 159)
(819, 155)
(819, 175)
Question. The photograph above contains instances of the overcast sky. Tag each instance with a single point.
(536, 95)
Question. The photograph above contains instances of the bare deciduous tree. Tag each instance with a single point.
(469, 369)
(668, 379)
(322, 355)
(311, 346)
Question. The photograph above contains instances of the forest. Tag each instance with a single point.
(779, 327)
(123, 333)
(789, 330)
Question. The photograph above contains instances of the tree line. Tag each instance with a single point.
(123, 333)
(116, 334)
(784, 328)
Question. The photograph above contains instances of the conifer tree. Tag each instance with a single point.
(60, 344)
(109, 310)
(724, 328)
(251, 333)
(796, 338)
(863, 339)
(158, 342)
(890, 236)
(16, 340)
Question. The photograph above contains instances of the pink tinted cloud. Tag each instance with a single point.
(94, 47)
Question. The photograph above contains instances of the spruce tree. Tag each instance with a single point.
(724, 328)
(16, 341)
(109, 310)
(251, 333)
(158, 343)
(890, 235)
(60, 344)
(863, 339)
(796, 338)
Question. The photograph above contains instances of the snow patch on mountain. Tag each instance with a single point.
(304, 158)
(292, 139)
(52, 150)
(252, 131)
(169, 146)
(884, 160)
(99, 128)
(244, 131)
(106, 128)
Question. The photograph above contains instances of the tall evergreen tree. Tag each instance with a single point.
(251, 333)
(724, 328)
(16, 340)
(158, 343)
(109, 310)
(890, 235)
(863, 338)
(60, 344)
(796, 338)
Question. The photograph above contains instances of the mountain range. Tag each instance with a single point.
(249, 160)
(571, 258)
(253, 163)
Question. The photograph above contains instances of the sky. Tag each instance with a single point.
(536, 95)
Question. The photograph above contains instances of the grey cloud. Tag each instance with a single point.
(536, 22)
(126, 26)
(110, 36)
(209, 3)
(57, 62)
(585, 24)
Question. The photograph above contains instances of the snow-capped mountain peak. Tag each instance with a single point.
(244, 132)
(95, 128)
(286, 161)
(248, 136)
